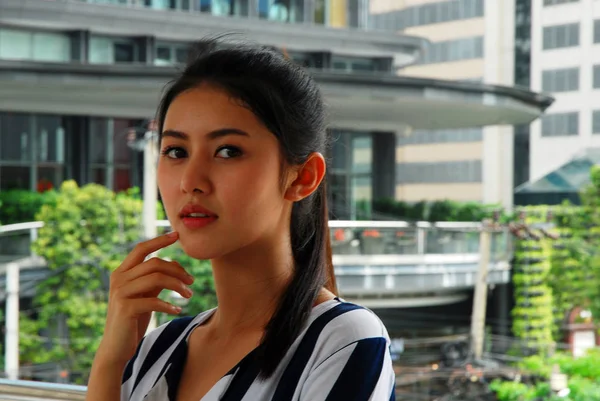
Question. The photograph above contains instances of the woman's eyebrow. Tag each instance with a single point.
(218, 133)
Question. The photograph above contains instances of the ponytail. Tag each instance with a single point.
(330, 280)
(312, 271)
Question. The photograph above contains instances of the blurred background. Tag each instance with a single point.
(463, 178)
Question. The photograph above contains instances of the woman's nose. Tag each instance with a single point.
(195, 179)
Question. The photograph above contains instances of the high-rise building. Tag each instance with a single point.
(565, 39)
(470, 41)
(76, 75)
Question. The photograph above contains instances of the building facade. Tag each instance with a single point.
(468, 39)
(565, 39)
(76, 76)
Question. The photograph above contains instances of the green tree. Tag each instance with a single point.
(86, 234)
(204, 297)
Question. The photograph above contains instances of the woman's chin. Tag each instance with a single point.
(197, 251)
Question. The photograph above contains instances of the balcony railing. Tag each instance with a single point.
(19, 390)
(347, 238)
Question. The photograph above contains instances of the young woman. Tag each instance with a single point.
(241, 175)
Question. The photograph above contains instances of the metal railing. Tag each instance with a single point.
(20, 390)
(347, 238)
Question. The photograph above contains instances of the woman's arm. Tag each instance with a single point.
(105, 380)
(360, 371)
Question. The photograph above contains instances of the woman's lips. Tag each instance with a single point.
(198, 222)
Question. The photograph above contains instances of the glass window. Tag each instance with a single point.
(40, 46)
(98, 140)
(559, 36)
(163, 55)
(49, 177)
(320, 11)
(560, 124)
(354, 64)
(417, 137)
(596, 122)
(439, 172)
(14, 177)
(454, 50)
(100, 51)
(51, 47)
(350, 175)
(282, 10)
(596, 31)
(15, 137)
(159, 4)
(110, 156)
(556, 2)
(429, 13)
(106, 50)
(181, 54)
(124, 52)
(121, 152)
(50, 139)
(560, 80)
(171, 53)
(596, 77)
(224, 7)
(31, 146)
(122, 179)
(15, 45)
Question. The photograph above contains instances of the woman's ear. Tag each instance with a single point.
(307, 178)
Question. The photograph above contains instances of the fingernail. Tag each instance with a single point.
(187, 291)
(172, 234)
(176, 308)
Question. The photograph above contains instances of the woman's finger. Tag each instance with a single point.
(139, 306)
(141, 251)
(157, 265)
(154, 282)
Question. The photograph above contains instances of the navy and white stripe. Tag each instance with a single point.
(341, 355)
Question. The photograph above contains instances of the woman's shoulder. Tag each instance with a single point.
(344, 323)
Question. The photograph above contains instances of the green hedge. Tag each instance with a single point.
(18, 206)
(444, 210)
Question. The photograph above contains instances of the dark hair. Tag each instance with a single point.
(288, 102)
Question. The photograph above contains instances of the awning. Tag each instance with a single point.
(564, 183)
(570, 177)
(372, 102)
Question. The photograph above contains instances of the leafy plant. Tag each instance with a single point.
(17, 206)
(87, 233)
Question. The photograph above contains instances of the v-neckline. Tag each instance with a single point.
(244, 363)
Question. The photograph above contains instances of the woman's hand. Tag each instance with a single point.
(134, 289)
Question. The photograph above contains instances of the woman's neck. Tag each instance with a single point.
(249, 285)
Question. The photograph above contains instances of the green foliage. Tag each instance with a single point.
(512, 391)
(17, 206)
(587, 366)
(536, 365)
(533, 319)
(444, 210)
(204, 297)
(87, 233)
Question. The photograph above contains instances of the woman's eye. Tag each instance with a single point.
(228, 152)
(174, 153)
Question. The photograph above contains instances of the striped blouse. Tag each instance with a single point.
(342, 354)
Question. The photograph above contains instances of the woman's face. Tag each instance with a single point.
(219, 175)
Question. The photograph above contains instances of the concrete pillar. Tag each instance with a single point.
(499, 69)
